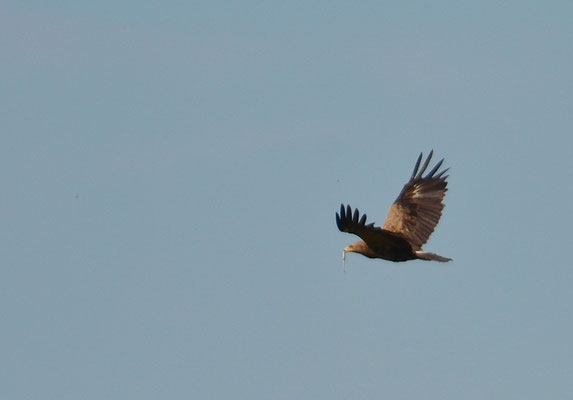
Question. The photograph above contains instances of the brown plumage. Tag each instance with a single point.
(410, 221)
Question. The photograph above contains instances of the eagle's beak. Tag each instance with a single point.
(348, 249)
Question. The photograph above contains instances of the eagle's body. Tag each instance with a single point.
(410, 222)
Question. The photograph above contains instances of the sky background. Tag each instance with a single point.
(171, 172)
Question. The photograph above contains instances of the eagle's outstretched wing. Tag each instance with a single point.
(418, 208)
(374, 237)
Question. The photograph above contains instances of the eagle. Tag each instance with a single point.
(410, 221)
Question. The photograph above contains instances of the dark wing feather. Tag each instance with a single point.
(418, 208)
(375, 237)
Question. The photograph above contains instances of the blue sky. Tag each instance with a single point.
(171, 173)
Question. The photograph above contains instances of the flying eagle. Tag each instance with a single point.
(410, 221)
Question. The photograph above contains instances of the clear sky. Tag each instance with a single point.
(171, 172)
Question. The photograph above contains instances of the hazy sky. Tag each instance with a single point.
(171, 173)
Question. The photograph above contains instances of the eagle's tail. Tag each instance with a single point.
(431, 256)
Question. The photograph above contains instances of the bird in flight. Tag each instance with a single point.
(410, 221)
